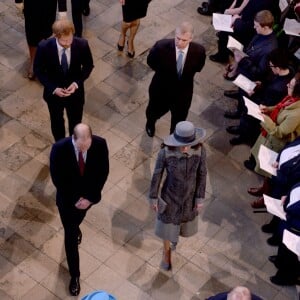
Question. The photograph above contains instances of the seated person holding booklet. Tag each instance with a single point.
(286, 261)
(268, 92)
(254, 65)
(287, 168)
(281, 125)
(242, 27)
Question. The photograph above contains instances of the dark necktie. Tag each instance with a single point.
(81, 163)
(64, 62)
(179, 63)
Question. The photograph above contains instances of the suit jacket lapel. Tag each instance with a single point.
(188, 60)
(54, 51)
(172, 56)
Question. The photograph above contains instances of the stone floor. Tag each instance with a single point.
(119, 252)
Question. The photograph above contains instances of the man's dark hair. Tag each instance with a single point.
(279, 58)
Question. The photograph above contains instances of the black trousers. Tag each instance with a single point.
(56, 107)
(156, 109)
(287, 263)
(77, 7)
(71, 218)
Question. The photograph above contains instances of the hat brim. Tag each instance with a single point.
(200, 133)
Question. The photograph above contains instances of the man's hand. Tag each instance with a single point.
(83, 203)
(20, 6)
(72, 88)
(234, 18)
(61, 92)
(283, 199)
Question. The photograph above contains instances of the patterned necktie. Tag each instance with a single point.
(179, 63)
(81, 163)
(64, 61)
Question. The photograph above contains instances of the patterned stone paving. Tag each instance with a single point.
(120, 252)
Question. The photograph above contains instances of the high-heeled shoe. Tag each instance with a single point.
(131, 54)
(120, 48)
(166, 261)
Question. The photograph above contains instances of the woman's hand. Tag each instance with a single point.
(283, 199)
(263, 109)
(155, 207)
(122, 2)
(198, 207)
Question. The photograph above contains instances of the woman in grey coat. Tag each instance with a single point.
(183, 158)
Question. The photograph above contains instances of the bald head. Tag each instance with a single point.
(82, 136)
(239, 293)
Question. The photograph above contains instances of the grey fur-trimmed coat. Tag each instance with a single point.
(184, 185)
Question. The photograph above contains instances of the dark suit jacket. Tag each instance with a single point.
(48, 69)
(165, 86)
(66, 176)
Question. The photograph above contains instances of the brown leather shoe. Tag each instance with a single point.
(256, 191)
(258, 203)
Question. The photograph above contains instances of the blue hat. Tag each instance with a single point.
(98, 295)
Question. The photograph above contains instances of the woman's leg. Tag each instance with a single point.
(134, 26)
(124, 27)
(166, 260)
(32, 52)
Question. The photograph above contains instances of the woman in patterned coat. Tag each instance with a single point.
(183, 158)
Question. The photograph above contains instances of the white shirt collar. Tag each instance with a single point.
(185, 51)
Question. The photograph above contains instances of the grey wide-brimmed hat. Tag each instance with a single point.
(185, 134)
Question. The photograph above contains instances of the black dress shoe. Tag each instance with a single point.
(218, 58)
(234, 94)
(280, 280)
(232, 114)
(79, 238)
(150, 129)
(86, 11)
(233, 129)
(74, 286)
(273, 241)
(272, 259)
(204, 10)
(237, 141)
(268, 228)
(250, 164)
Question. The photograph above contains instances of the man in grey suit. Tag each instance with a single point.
(175, 62)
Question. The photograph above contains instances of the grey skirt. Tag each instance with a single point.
(171, 231)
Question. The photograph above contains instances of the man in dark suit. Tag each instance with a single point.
(62, 64)
(78, 8)
(79, 167)
(175, 62)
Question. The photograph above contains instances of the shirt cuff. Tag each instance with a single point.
(54, 91)
(62, 14)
